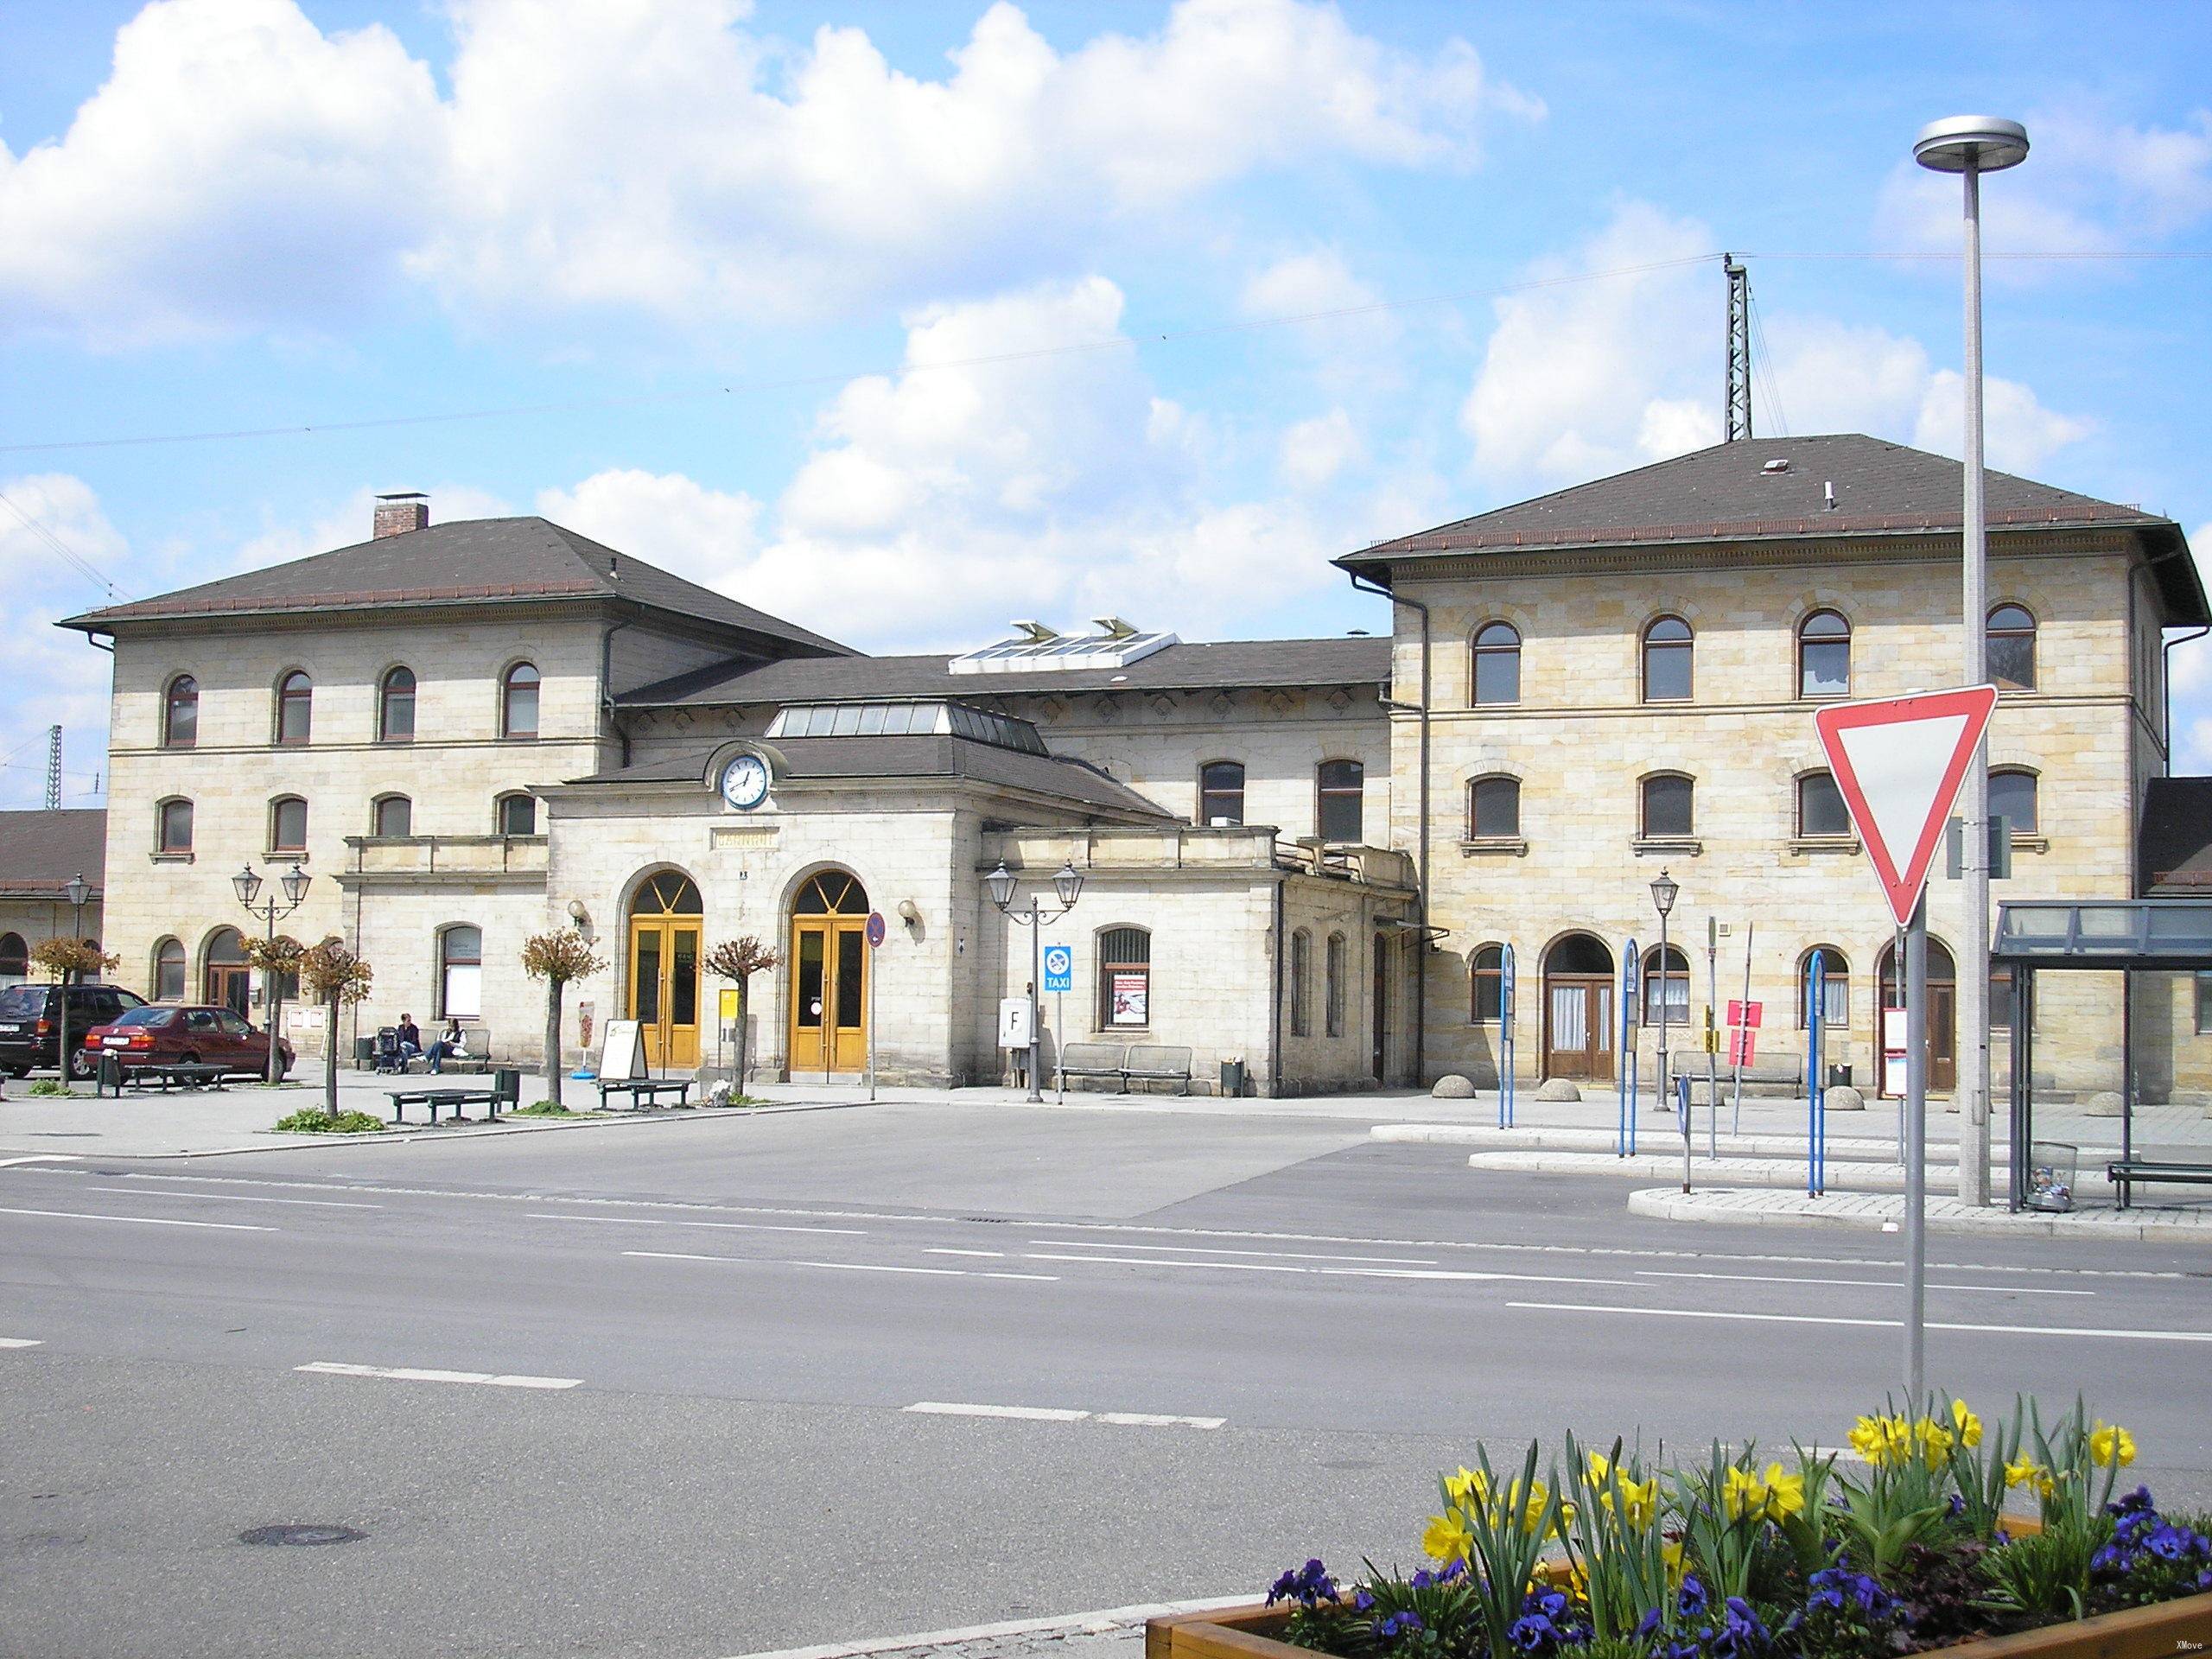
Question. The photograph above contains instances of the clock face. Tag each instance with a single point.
(744, 782)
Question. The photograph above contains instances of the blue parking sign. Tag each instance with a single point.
(1059, 968)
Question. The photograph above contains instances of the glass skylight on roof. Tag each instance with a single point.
(1041, 650)
(928, 719)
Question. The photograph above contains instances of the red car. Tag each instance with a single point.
(163, 1034)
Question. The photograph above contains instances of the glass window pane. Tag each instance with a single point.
(289, 832)
(2013, 797)
(2013, 661)
(851, 971)
(683, 978)
(645, 982)
(182, 729)
(1666, 673)
(1497, 807)
(1820, 810)
(518, 702)
(809, 989)
(1667, 806)
(399, 716)
(396, 816)
(1497, 676)
(464, 992)
(1221, 793)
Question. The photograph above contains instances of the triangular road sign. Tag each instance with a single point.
(1898, 762)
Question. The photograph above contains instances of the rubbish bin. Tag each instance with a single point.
(1839, 1076)
(1232, 1078)
(365, 1053)
(2052, 1167)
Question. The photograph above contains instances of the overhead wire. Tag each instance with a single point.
(84, 567)
(1763, 372)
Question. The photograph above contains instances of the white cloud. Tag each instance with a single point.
(54, 677)
(241, 169)
(705, 535)
(1313, 452)
(1351, 339)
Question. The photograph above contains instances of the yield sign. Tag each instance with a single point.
(1899, 762)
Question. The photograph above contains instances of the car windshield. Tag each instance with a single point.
(143, 1016)
(23, 1001)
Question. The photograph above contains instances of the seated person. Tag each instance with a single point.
(452, 1044)
(411, 1038)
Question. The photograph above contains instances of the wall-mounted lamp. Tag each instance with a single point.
(911, 913)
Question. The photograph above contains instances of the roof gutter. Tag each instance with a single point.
(1421, 950)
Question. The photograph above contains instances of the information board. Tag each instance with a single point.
(622, 1057)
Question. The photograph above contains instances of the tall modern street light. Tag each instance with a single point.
(1971, 145)
(294, 883)
(1664, 891)
(1068, 884)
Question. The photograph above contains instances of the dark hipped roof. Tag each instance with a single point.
(1723, 495)
(2174, 848)
(914, 757)
(1351, 660)
(40, 851)
(470, 560)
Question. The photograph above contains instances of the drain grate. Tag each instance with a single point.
(301, 1535)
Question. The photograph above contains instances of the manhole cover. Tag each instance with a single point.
(300, 1534)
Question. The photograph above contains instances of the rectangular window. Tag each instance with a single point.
(2204, 1004)
(1820, 810)
(288, 826)
(1666, 802)
(1221, 793)
(1301, 952)
(176, 827)
(1343, 785)
(518, 815)
(1124, 978)
(1333, 997)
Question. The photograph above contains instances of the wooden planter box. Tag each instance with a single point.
(2171, 1630)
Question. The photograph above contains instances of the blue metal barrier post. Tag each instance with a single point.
(1816, 1110)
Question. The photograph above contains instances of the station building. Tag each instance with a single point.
(1305, 856)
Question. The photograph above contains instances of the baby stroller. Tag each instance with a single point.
(388, 1056)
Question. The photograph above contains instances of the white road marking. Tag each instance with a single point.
(995, 1256)
(726, 1226)
(1201, 1249)
(1463, 1276)
(235, 1198)
(412, 1373)
(21, 1342)
(1063, 1415)
(143, 1221)
(42, 1158)
(1154, 1420)
(1868, 1284)
(842, 1267)
(1889, 1325)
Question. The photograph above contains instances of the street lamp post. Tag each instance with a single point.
(1971, 145)
(1068, 884)
(1664, 891)
(294, 881)
(77, 891)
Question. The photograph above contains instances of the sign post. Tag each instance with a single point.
(1060, 976)
(1625, 1136)
(1505, 993)
(876, 930)
(1899, 763)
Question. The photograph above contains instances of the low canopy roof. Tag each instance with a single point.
(2107, 933)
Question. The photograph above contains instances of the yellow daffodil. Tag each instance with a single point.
(1465, 1484)
(1446, 1539)
(1746, 1493)
(1785, 1494)
(1935, 1441)
(2111, 1446)
(1670, 1551)
(1882, 1440)
(1966, 1424)
(1577, 1583)
(1741, 1494)
(2026, 1472)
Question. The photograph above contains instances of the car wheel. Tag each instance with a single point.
(187, 1058)
(19, 1071)
(84, 1064)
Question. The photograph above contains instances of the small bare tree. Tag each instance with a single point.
(334, 977)
(557, 957)
(276, 957)
(737, 960)
(68, 960)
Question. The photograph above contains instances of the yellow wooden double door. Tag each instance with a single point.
(829, 964)
(665, 924)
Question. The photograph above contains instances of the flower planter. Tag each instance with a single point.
(2164, 1631)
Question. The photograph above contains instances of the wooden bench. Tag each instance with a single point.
(193, 1075)
(1093, 1060)
(649, 1090)
(2124, 1172)
(1148, 1064)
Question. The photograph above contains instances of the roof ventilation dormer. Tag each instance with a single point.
(1779, 464)
(399, 512)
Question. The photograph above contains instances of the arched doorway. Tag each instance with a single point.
(828, 966)
(1943, 1020)
(1578, 1010)
(225, 978)
(666, 916)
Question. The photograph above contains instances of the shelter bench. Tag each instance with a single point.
(1093, 1060)
(649, 1090)
(191, 1075)
(1147, 1064)
(2124, 1172)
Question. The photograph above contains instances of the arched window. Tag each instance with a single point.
(1667, 983)
(2013, 797)
(1493, 807)
(180, 713)
(1221, 792)
(1342, 785)
(1498, 663)
(174, 830)
(1835, 988)
(833, 892)
(393, 815)
(1824, 656)
(517, 815)
(1668, 802)
(1667, 648)
(287, 825)
(1486, 971)
(395, 707)
(461, 973)
(224, 979)
(2011, 645)
(518, 702)
(14, 959)
(169, 971)
(1301, 984)
(295, 708)
(1820, 810)
(1941, 971)
(1332, 987)
(1124, 978)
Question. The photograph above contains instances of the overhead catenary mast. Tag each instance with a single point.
(1737, 412)
(53, 768)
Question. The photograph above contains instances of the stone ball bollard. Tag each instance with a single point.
(1557, 1089)
(2104, 1103)
(1842, 1097)
(1453, 1086)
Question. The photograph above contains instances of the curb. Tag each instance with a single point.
(1850, 1176)
(1843, 1149)
(1105, 1622)
(1882, 1214)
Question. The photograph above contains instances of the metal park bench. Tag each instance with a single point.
(505, 1090)
(1147, 1064)
(116, 1076)
(1093, 1060)
(2124, 1173)
(645, 1089)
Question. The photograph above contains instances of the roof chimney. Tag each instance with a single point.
(399, 512)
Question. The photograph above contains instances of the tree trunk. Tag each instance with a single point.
(553, 1041)
(61, 1053)
(744, 1024)
(330, 1060)
(275, 1025)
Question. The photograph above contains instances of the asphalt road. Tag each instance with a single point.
(697, 1348)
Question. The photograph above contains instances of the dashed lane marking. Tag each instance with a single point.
(21, 1342)
(1203, 1250)
(2103, 1333)
(413, 1374)
(234, 1198)
(726, 1226)
(143, 1221)
(1864, 1284)
(1459, 1275)
(1063, 1415)
(842, 1267)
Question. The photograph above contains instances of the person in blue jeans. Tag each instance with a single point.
(411, 1040)
(450, 1045)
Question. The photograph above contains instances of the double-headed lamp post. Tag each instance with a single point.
(1068, 884)
(77, 891)
(1971, 145)
(1664, 891)
(294, 881)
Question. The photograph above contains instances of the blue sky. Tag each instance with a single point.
(906, 319)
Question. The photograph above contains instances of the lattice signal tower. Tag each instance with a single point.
(1738, 411)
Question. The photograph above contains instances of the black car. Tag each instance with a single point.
(30, 1024)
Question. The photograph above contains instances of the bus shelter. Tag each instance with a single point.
(2155, 955)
